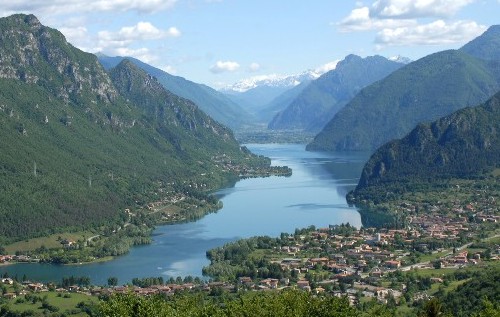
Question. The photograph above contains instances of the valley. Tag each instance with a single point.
(361, 186)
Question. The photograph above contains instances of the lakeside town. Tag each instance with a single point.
(341, 260)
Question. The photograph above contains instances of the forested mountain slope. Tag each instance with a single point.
(325, 96)
(77, 150)
(422, 91)
(214, 103)
(464, 144)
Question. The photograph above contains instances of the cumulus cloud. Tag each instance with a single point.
(404, 9)
(75, 34)
(139, 32)
(253, 67)
(126, 41)
(78, 6)
(360, 20)
(224, 66)
(326, 67)
(435, 33)
(143, 53)
(400, 22)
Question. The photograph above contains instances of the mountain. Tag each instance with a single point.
(486, 46)
(254, 94)
(461, 145)
(276, 81)
(212, 102)
(325, 96)
(80, 145)
(279, 103)
(400, 59)
(422, 91)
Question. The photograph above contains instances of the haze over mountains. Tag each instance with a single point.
(254, 94)
(422, 91)
(317, 103)
(88, 139)
(80, 144)
(214, 103)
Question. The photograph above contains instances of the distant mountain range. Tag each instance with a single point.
(214, 103)
(422, 91)
(277, 81)
(461, 145)
(317, 103)
(255, 94)
(79, 145)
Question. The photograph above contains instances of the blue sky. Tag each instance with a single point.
(219, 42)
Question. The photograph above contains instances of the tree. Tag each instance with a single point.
(433, 308)
(489, 310)
(112, 281)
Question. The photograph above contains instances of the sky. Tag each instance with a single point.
(220, 42)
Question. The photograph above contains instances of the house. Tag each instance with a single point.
(68, 244)
(245, 280)
(270, 282)
(304, 285)
(392, 264)
(7, 280)
(36, 287)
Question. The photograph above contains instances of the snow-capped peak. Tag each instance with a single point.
(272, 80)
(276, 80)
(400, 59)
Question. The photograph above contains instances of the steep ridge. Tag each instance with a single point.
(486, 46)
(462, 145)
(177, 119)
(422, 91)
(212, 102)
(325, 96)
(75, 152)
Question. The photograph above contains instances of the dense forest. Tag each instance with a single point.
(465, 144)
(79, 146)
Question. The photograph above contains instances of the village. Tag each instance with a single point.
(360, 263)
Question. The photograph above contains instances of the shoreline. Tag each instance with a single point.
(278, 171)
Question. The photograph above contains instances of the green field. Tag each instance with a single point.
(63, 303)
(49, 242)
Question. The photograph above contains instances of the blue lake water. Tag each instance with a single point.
(313, 195)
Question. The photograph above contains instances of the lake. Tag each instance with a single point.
(313, 195)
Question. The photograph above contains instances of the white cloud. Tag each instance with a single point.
(406, 22)
(169, 69)
(326, 67)
(143, 53)
(254, 67)
(404, 9)
(435, 33)
(125, 41)
(76, 34)
(393, 14)
(139, 32)
(77, 6)
(224, 66)
(360, 20)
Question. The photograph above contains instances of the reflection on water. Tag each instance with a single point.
(313, 195)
